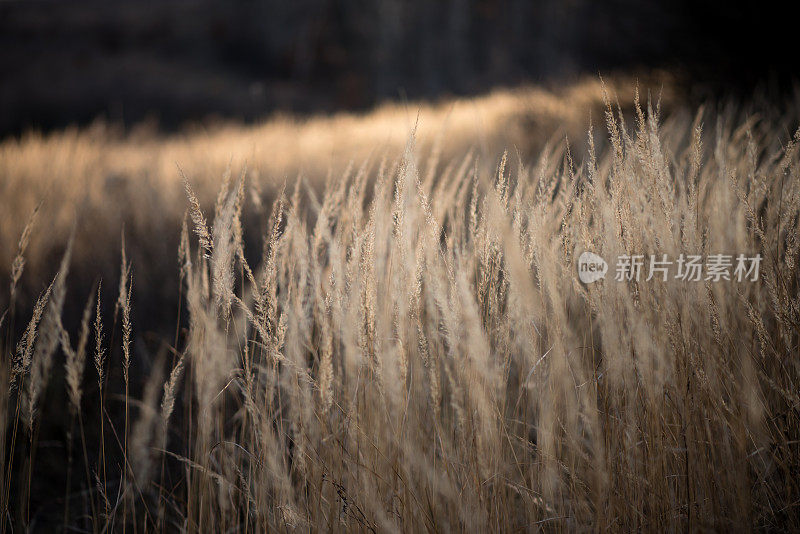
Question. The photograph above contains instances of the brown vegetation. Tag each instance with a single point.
(409, 348)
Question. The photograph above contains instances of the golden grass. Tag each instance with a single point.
(413, 350)
(106, 179)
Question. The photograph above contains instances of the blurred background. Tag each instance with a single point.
(177, 61)
(102, 100)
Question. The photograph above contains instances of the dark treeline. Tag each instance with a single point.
(179, 60)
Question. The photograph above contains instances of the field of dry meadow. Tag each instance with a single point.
(373, 322)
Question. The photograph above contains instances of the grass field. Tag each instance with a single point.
(374, 322)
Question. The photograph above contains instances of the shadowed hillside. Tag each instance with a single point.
(181, 60)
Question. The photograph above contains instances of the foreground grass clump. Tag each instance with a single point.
(414, 352)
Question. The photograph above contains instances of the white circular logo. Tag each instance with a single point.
(591, 267)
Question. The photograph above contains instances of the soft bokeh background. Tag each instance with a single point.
(184, 60)
(102, 102)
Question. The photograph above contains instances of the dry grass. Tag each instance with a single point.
(107, 180)
(412, 350)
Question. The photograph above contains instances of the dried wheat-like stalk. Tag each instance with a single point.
(18, 264)
(24, 353)
(171, 389)
(76, 357)
(199, 220)
(127, 328)
(47, 343)
(99, 351)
